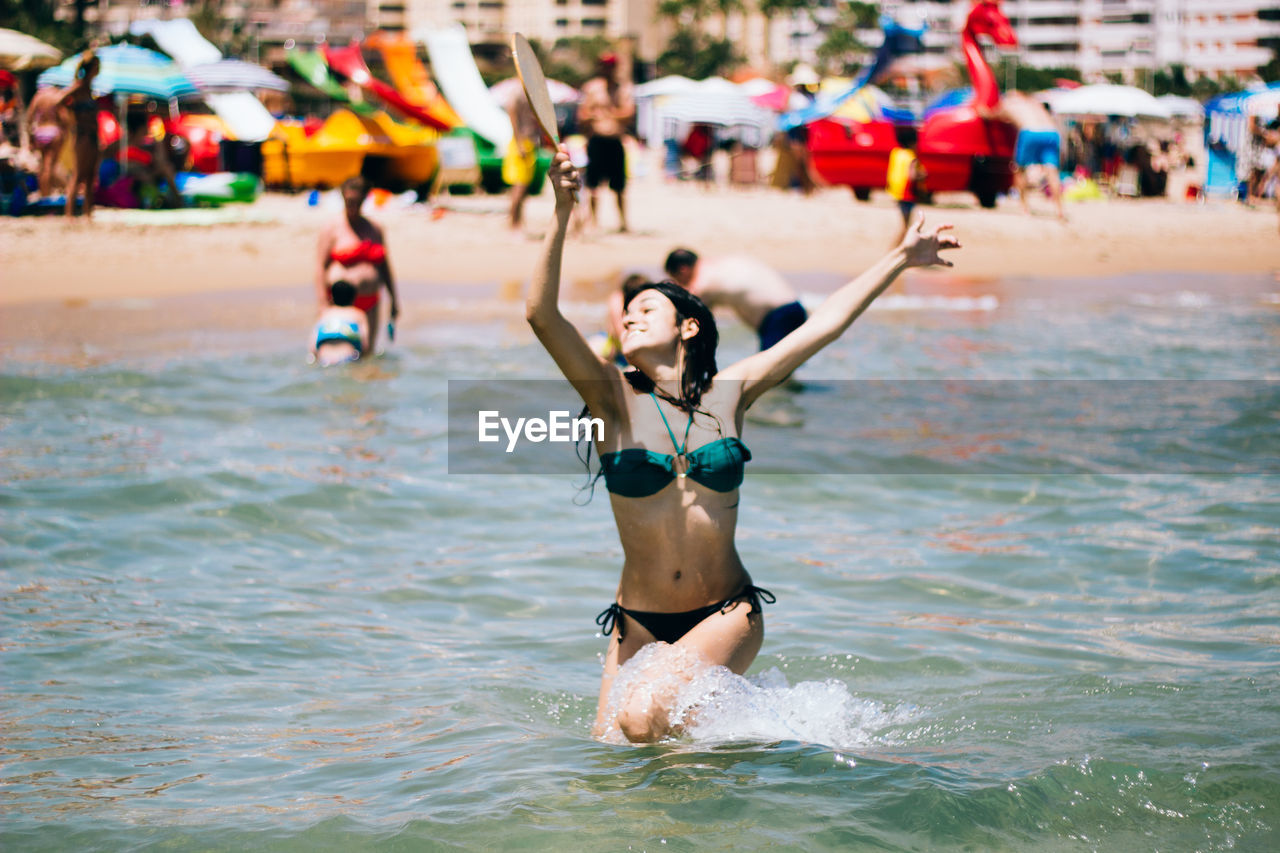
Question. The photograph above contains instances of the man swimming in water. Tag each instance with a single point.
(756, 292)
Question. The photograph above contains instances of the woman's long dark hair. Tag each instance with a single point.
(699, 351)
(699, 361)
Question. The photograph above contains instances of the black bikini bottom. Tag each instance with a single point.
(669, 627)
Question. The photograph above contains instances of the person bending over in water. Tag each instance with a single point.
(342, 331)
(672, 460)
(353, 249)
(756, 292)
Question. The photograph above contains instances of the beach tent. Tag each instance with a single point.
(1107, 99)
(716, 102)
(668, 107)
(648, 126)
(1225, 128)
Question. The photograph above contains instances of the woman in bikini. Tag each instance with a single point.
(672, 461)
(353, 249)
(84, 112)
(48, 124)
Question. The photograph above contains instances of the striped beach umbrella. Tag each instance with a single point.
(234, 75)
(128, 70)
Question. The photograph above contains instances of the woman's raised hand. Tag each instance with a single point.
(564, 180)
(922, 247)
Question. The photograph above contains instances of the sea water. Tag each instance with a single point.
(247, 605)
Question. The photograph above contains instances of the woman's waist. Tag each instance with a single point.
(358, 273)
(675, 589)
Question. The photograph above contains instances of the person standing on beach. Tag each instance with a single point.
(49, 130)
(673, 461)
(78, 97)
(1039, 146)
(352, 248)
(522, 154)
(603, 112)
(753, 290)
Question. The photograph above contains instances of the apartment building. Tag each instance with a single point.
(1211, 38)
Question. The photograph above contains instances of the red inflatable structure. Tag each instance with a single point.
(960, 148)
(349, 62)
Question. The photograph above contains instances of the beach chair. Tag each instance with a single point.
(1126, 182)
(459, 163)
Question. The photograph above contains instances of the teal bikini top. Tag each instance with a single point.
(638, 473)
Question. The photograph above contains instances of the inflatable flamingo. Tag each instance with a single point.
(960, 148)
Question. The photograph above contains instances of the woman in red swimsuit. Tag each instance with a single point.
(352, 249)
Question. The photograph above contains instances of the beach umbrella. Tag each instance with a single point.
(1106, 99)
(21, 52)
(561, 93)
(234, 75)
(672, 84)
(717, 108)
(711, 103)
(128, 70)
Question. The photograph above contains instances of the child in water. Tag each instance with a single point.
(342, 332)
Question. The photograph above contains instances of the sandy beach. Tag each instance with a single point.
(73, 286)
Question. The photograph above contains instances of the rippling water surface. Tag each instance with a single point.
(244, 604)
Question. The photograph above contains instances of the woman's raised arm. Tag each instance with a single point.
(762, 371)
(585, 370)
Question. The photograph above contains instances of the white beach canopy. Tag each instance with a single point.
(1106, 99)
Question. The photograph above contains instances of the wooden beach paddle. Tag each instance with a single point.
(535, 87)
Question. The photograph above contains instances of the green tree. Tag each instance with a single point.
(1171, 82)
(1028, 78)
(691, 51)
(697, 55)
(573, 60)
(866, 16)
(841, 51)
(35, 17)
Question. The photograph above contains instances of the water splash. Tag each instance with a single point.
(712, 704)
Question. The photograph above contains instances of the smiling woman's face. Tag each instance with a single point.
(649, 322)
